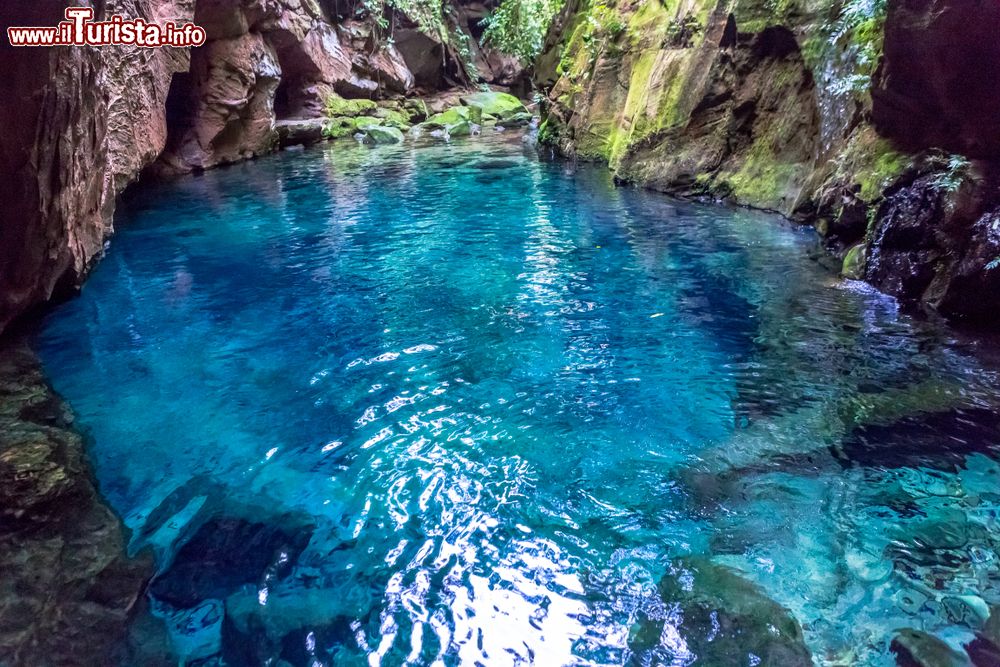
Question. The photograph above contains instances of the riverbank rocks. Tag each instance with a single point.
(454, 122)
(719, 618)
(300, 132)
(381, 134)
(67, 590)
(495, 105)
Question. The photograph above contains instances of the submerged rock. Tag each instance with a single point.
(225, 554)
(67, 589)
(985, 648)
(914, 648)
(720, 618)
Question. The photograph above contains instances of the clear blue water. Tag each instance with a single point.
(457, 405)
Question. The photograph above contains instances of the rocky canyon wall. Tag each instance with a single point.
(81, 124)
(876, 121)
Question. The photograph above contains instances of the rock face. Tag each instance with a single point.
(79, 124)
(937, 86)
(880, 128)
(67, 589)
(82, 124)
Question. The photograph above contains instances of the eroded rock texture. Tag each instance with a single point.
(880, 129)
(81, 124)
(78, 125)
(67, 589)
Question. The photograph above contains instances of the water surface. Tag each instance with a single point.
(457, 405)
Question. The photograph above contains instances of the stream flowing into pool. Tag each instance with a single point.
(455, 404)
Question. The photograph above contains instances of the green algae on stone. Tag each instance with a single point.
(381, 134)
(339, 127)
(854, 262)
(496, 104)
(455, 121)
(394, 118)
(338, 106)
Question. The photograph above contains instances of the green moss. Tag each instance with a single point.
(494, 104)
(871, 162)
(416, 110)
(761, 181)
(456, 121)
(338, 106)
(366, 121)
(394, 118)
(340, 126)
(854, 262)
(382, 134)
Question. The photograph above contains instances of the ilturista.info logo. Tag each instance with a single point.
(80, 29)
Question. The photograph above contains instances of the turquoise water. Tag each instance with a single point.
(459, 405)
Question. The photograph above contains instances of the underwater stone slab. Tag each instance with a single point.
(68, 590)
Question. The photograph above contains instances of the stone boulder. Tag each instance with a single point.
(723, 619)
(381, 134)
(495, 105)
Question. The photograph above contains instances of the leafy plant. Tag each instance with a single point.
(860, 25)
(681, 33)
(955, 171)
(518, 27)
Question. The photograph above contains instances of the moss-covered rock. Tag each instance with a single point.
(338, 106)
(515, 120)
(381, 134)
(339, 127)
(493, 104)
(394, 118)
(854, 262)
(68, 586)
(454, 122)
(416, 110)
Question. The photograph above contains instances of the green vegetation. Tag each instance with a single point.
(861, 25)
(518, 27)
(429, 15)
(682, 33)
(338, 106)
(955, 171)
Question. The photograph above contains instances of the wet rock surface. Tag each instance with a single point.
(67, 590)
(224, 554)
